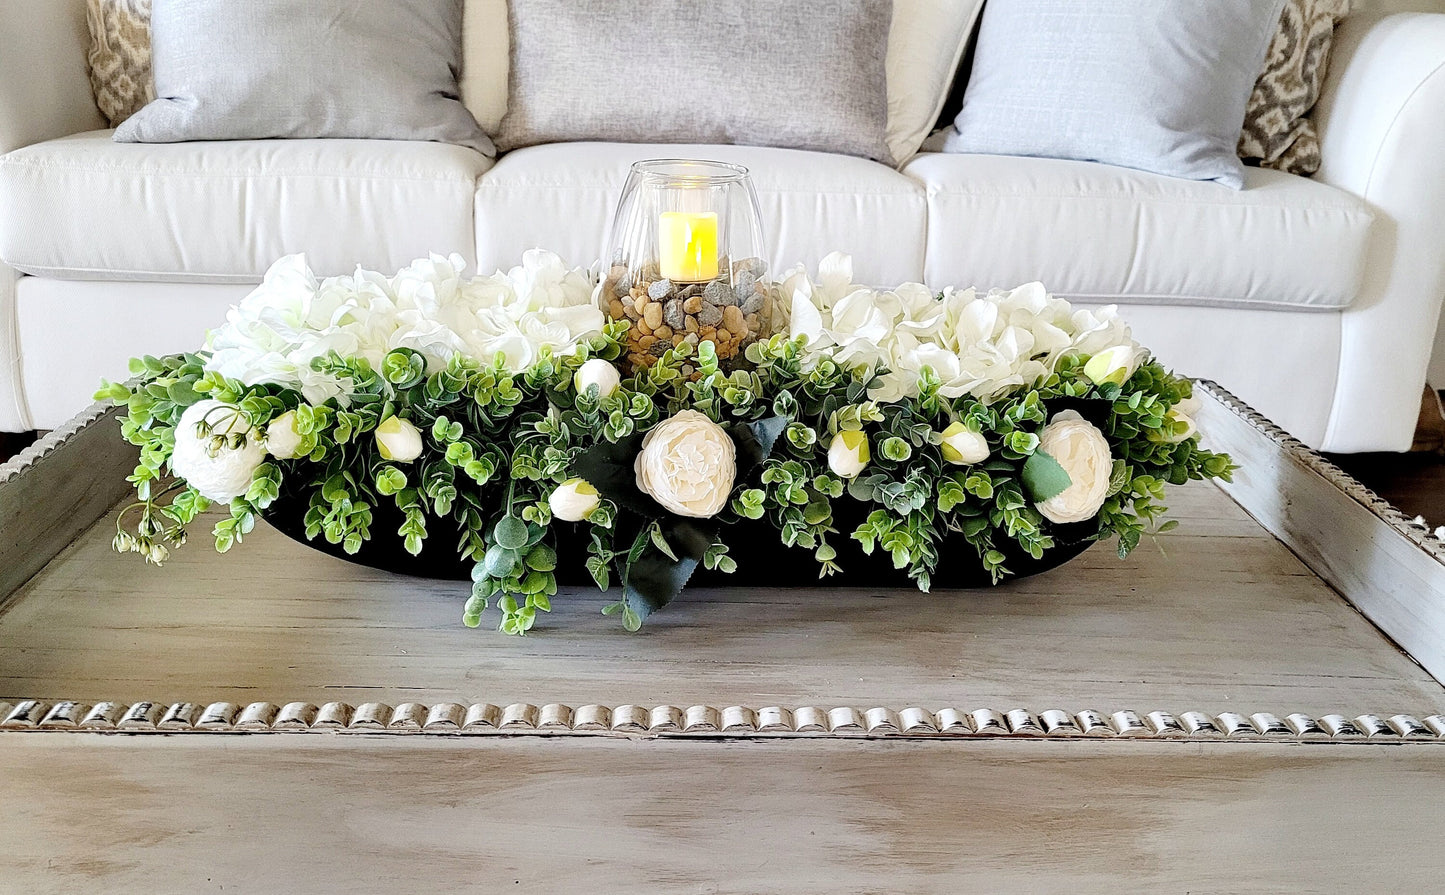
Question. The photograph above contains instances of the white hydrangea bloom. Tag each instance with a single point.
(985, 346)
(292, 318)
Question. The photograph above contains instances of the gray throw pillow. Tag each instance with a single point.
(1159, 85)
(379, 69)
(803, 74)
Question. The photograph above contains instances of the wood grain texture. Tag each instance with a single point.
(55, 489)
(1217, 616)
(1391, 570)
(331, 814)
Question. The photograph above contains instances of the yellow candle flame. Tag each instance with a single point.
(687, 246)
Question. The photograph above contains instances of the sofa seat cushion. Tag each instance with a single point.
(561, 196)
(84, 207)
(1106, 234)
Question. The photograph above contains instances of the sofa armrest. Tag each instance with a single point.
(1381, 119)
(44, 83)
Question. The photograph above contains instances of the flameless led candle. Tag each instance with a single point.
(687, 246)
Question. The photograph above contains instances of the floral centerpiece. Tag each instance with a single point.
(493, 407)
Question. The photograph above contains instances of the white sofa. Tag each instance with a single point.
(1314, 299)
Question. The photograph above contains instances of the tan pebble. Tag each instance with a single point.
(691, 339)
(646, 342)
(691, 324)
(663, 332)
(693, 304)
(652, 314)
(754, 323)
(707, 332)
(643, 328)
(678, 339)
(733, 319)
(640, 301)
(614, 309)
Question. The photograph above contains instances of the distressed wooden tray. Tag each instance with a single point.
(1229, 698)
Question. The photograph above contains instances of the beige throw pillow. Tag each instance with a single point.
(1277, 133)
(120, 56)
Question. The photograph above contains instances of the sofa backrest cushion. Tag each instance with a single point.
(1159, 85)
(804, 74)
(306, 69)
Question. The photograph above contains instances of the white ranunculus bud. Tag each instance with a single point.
(687, 464)
(962, 446)
(213, 462)
(1081, 449)
(398, 440)
(1114, 365)
(1179, 426)
(282, 439)
(848, 453)
(573, 500)
(597, 372)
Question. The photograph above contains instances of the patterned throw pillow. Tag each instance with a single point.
(1276, 132)
(120, 56)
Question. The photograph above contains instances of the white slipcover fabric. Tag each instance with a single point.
(1097, 232)
(561, 196)
(83, 207)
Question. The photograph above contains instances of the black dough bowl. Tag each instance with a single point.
(763, 561)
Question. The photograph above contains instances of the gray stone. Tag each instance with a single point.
(624, 285)
(660, 289)
(660, 347)
(690, 291)
(710, 315)
(717, 293)
(753, 303)
(674, 316)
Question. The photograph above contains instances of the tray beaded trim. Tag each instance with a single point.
(1387, 512)
(733, 721)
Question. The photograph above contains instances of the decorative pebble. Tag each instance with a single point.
(660, 348)
(717, 293)
(652, 314)
(624, 284)
(659, 289)
(709, 315)
(674, 315)
(732, 320)
(753, 303)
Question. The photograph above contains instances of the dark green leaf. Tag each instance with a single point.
(1043, 477)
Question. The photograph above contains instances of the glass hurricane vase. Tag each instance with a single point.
(685, 261)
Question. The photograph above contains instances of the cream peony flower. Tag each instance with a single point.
(687, 464)
(398, 440)
(962, 446)
(1081, 449)
(573, 500)
(848, 454)
(207, 454)
(282, 439)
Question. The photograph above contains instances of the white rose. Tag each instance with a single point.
(398, 440)
(597, 372)
(282, 439)
(211, 461)
(1081, 449)
(848, 453)
(1114, 365)
(962, 446)
(687, 464)
(573, 500)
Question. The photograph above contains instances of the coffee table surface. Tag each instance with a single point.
(746, 740)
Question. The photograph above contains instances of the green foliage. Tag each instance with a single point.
(496, 444)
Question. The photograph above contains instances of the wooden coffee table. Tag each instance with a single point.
(1217, 713)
